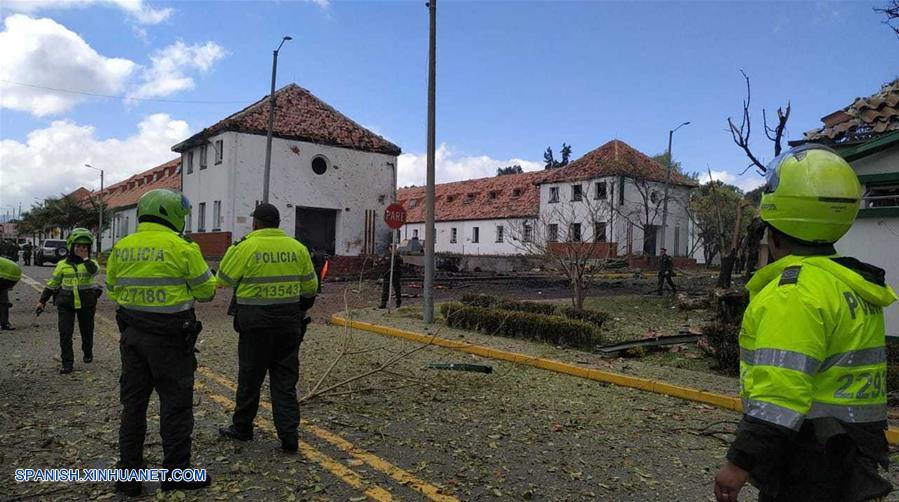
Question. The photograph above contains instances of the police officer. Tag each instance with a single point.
(10, 273)
(385, 281)
(275, 284)
(813, 362)
(74, 286)
(155, 275)
(666, 271)
(27, 253)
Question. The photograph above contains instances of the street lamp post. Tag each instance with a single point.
(271, 122)
(667, 183)
(100, 227)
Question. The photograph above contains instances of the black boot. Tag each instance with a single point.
(129, 488)
(7, 327)
(88, 358)
(289, 446)
(168, 485)
(65, 370)
(231, 432)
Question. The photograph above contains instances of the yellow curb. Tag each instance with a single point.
(655, 386)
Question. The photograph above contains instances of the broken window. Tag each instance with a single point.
(516, 192)
(415, 233)
(499, 233)
(882, 196)
(574, 232)
(219, 146)
(203, 150)
(554, 194)
(577, 193)
(475, 234)
(190, 162)
(527, 233)
(319, 165)
(599, 231)
(492, 195)
(601, 190)
(453, 234)
(469, 198)
(450, 198)
(552, 232)
(413, 203)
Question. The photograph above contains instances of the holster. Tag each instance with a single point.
(191, 329)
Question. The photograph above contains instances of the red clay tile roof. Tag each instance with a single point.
(472, 199)
(300, 116)
(127, 192)
(864, 119)
(616, 158)
(80, 194)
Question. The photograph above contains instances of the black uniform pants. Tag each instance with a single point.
(4, 306)
(275, 351)
(166, 364)
(66, 316)
(26, 257)
(385, 289)
(665, 276)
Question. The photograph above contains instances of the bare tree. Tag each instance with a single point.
(891, 12)
(741, 137)
(559, 235)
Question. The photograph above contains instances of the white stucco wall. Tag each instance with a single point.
(353, 183)
(486, 245)
(874, 240)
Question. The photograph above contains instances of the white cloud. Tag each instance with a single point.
(747, 182)
(51, 160)
(450, 166)
(324, 4)
(137, 9)
(45, 53)
(168, 74)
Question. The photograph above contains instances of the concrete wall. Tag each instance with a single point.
(353, 183)
(487, 242)
(875, 240)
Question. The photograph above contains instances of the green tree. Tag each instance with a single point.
(513, 169)
(566, 154)
(662, 158)
(712, 209)
(550, 162)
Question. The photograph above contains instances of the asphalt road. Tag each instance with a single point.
(404, 432)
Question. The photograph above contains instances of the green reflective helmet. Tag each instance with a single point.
(811, 194)
(80, 236)
(165, 207)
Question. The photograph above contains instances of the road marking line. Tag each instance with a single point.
(345, 474)
(732, 403)
(403, 477)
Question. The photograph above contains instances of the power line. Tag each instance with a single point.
(123, 98)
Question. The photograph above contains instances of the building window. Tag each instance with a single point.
(554, 194)
(188, 226)
(499, 233)
(219, 151)
(201, 217)
(469, 198)
(574, 232)
(881, 196)
(552, 232)
(516, 193)
(475, 234)
(453, 234)
(492, 195)
(216, 216)
(190, 162)
(319, 165)
(599, 231)
(203, 150)
(450, 198)
(415, 233)
(601, 190)
(654, 197)
(527, 233)
(577, 193)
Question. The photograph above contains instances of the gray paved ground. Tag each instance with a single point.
(517, 433)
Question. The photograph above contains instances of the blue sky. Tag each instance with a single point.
(513, 77)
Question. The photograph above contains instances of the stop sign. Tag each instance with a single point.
(395, 216)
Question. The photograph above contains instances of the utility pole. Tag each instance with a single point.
(428, 311)
(271, 122)
(100, 227)
(667, 183)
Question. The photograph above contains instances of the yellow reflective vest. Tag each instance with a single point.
(9, 271)
(267, 267)
(156, 270)
(70, 280)
(812, 343)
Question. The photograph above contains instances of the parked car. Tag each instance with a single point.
(51, 251)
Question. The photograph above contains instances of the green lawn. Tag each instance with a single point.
(635, 316)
